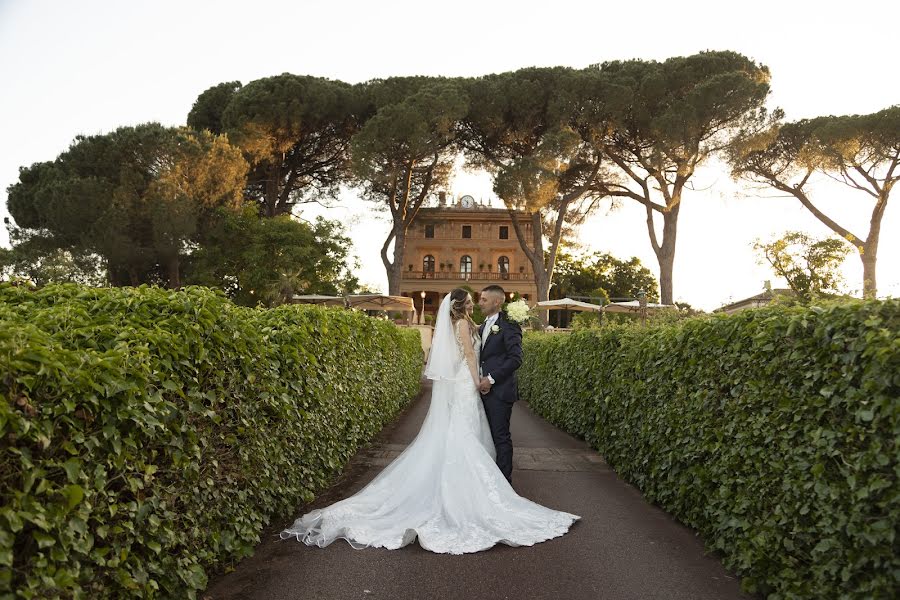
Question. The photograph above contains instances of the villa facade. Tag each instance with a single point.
(464, 243)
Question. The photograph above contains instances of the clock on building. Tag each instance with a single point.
(467, 201)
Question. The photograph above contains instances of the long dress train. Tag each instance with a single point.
(444, 489)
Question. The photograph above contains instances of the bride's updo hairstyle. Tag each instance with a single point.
(458, 299)
(458, 303)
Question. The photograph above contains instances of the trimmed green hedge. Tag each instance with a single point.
(148, 434)
(773, 432)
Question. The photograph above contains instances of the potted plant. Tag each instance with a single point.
(442, 266)
(410, 267)
(481, 267)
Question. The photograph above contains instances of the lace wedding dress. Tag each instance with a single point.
(445, 488)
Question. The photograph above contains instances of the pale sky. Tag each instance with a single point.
(86, 67)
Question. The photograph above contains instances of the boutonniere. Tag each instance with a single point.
(495, 329)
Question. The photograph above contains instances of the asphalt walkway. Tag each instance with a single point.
(623, 548)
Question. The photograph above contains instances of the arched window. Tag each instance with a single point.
(503, 267)
(465, 264)
(428, 264)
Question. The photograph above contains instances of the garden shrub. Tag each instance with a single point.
(148, 435)
(773, 432)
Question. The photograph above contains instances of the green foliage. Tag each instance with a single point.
(35, 261)
(811, 267)
(773, 432)
(148, 435)
(133, 197)
(210, 106)
(294, 131)
(602, 277)
(258, 260)
(599, 275)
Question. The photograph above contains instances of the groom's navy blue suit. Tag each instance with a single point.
(501, 355)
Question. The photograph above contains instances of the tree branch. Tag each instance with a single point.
(651, 228)
(800, 195)
(384, 251)
(529, 253)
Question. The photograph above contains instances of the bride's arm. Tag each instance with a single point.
(464, 337)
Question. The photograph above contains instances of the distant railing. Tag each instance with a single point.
(457, 236)
(458, 276)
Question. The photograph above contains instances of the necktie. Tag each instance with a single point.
(487, 329)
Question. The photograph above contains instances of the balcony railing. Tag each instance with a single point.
(458, 276)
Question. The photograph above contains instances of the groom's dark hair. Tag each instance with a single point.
(495, 288)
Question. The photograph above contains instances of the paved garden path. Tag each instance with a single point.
(623, 548)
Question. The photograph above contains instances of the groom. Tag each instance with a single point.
(501, 355)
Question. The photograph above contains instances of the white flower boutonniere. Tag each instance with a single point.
(495, 329)
(518, 312)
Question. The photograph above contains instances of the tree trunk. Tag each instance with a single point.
(665, 255)
(114, 275)
(666, 258)
(869, 250)
(271, 192)
(869, 256)
(173, 268)
(133, 275)
(395, 269)
(542, 281)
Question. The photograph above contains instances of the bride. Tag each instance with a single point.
(445, 488)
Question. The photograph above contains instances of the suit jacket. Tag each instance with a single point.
(501, 355)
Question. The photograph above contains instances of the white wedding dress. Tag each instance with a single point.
(445, 488)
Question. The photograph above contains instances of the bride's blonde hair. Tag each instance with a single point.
(458, 299)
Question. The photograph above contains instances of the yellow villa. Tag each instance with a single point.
(464, 243)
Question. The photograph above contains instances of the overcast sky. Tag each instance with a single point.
(69, 68)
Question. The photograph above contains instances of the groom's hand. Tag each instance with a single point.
(485, 386)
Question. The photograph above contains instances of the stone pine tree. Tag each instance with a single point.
(665, 120)
(294, 131)
(861, 152)
(209, 108)
(521, 128)
(134, 198)
(404, 152)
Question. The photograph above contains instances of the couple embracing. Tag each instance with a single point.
(451, 488)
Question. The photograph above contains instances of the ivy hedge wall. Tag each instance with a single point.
(773, 432)
(147, 435)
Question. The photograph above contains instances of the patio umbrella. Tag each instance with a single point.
(634, 306)
(569, 304)
(381, 302)
(320, 300)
